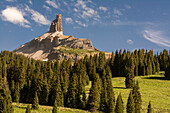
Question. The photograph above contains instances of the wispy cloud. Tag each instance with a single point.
(130, 23)
(30, 2)
(37, 17)
(68, 20)
(156, 37)
(15, 16)
(130, 42)
(47, 8)
(117, 12)
(103, 8)
(127, 6)
(11, 0)
(52, 3)
(81, 24)
(84, 11)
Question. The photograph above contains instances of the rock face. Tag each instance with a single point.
(46, 46)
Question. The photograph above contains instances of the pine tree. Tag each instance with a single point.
(130, 108)
(35, 104)
(5, 98)
(72, 91)
(94, 95)
(137, 98)
(149, 108)
(28, 109)
(119, 104)
(129, 69)
(55, 107)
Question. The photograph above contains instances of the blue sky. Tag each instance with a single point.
(109, 24)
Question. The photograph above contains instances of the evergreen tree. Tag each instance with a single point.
(129, 69)
(94, 95)
(119, 104)
(137, 98)
(72, 91)
(28, 109)
(35, 104)
(130, 108)
(149, 108)
(5, 98)
(55, 107)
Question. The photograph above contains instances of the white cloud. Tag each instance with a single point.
(11, 0)
(117, 12)
(47, 8)
(37, 17)
(84, 11)
(52, 3)
(75, 10)
(68, 20)
(156, 37)
(130, 23)
(130, 42)
(15, 16)
(81, 24)
(127, 6)
(103, 8)
(30, 2)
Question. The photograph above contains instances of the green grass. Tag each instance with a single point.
(21, 108)
(153, 88)
(79, 52)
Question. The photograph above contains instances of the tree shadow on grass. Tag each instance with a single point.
(119, 87)
(21, 107)
(157, 78)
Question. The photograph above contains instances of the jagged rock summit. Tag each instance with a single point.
(52, 44)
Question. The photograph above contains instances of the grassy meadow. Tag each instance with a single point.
(153, 87)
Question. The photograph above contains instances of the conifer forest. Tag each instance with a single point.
(62, 83)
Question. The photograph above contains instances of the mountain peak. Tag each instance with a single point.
(51, 44)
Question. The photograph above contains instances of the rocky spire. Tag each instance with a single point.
(56, 25)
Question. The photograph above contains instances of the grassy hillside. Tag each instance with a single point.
(152, 87)
(21, 108)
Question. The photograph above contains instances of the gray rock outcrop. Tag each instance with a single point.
(46, 46)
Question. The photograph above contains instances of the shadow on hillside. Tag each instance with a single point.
(21, 107)
(157, 78)
(119, 87)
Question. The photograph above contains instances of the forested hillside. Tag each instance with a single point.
(32, 81)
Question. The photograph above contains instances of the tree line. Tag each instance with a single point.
(26, 80)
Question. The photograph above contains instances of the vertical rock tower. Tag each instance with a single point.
(56, 26)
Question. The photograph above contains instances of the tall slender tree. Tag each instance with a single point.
(130, 108)
(119, 104)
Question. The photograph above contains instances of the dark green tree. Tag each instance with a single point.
(137, 98)
(55, 107)
(149, 108)
(130, 108)
(28, 109)
(94, 95)
(129, 70)
(5, 98)
(35, 104)
(119, 104)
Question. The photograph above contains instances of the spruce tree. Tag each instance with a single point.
(55, 107)
(35, 104)
(119, 104)
(149, 108)
(5, 98)
(94, 95)
(137, 98)
(130, 108)
(28, 109)
(72, 91)
(129, 69)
